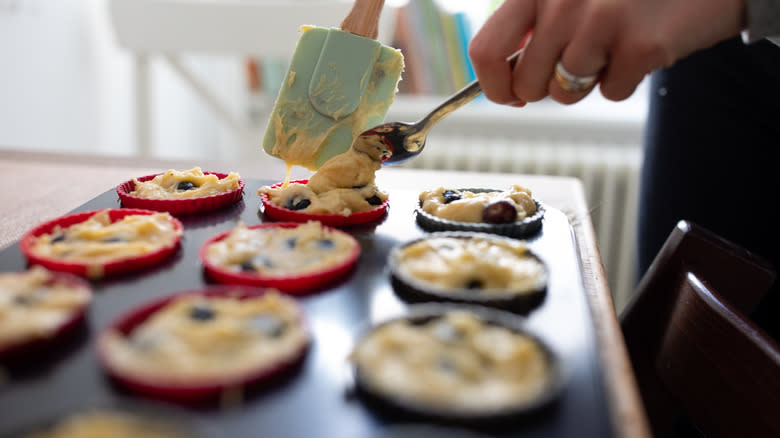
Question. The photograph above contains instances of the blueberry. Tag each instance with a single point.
(258, 260)
(325, 244)
(145, 340)
(474, 284)
(374, 200)
(31, 298)
(446, 364)
(186, 185)
(290, 242)
(269, 325)
(58, 238)
(499, 212)
(202, 312)
(450, 195)
(297, 203)
(420, 322)
(263, 261)
(24, 300)
(446, 332)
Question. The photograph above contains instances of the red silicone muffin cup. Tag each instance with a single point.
(117, 267)
(333, 220)
(180, 207)
(300, 284)
(31, 349)
(196, 391)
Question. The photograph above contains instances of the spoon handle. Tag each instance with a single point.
(457, 100)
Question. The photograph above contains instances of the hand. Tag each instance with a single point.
(619, 40)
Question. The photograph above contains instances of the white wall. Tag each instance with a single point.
(65, 85)
(54, 65)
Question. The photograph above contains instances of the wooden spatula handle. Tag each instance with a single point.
(363, 18)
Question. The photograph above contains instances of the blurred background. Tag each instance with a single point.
(197, 79)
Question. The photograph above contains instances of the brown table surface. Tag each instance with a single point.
(41, 186)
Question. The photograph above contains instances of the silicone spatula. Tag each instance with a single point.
(339, 83)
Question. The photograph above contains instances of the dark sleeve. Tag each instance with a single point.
(763, 19)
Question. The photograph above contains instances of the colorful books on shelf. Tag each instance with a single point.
(435, 47)
(264, 75)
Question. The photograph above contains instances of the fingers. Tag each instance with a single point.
(502, 34)
(608, 39)
(599, 45)
(556, 22)
(639, 47)
(621, 77)
(587, 52)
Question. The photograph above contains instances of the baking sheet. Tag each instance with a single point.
(318, 400)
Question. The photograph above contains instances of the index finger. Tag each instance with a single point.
(503, 34)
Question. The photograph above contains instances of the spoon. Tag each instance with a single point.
(406, 140)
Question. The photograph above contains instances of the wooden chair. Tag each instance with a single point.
(695, 353)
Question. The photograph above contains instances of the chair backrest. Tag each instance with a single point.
(693, 349)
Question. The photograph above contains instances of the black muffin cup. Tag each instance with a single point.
(416, 291)
(527, 227)
(417, 430)
(391, 405)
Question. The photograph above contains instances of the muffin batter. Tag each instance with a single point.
(456, 362)
(200, 338)
(466, 206)
(342, 185)
(484, 266)
(276, 251)
(98, 241)
(108, 424)
(185, 184)
(33, 305)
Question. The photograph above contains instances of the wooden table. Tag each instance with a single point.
(39, 187)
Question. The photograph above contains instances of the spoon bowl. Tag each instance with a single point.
(403, 141)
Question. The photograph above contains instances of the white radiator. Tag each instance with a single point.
(609, 173)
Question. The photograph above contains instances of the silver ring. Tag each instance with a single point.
(573, 83)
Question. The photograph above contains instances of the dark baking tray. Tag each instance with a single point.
(318, 400)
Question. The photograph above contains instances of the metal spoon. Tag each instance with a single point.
(406, 140)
